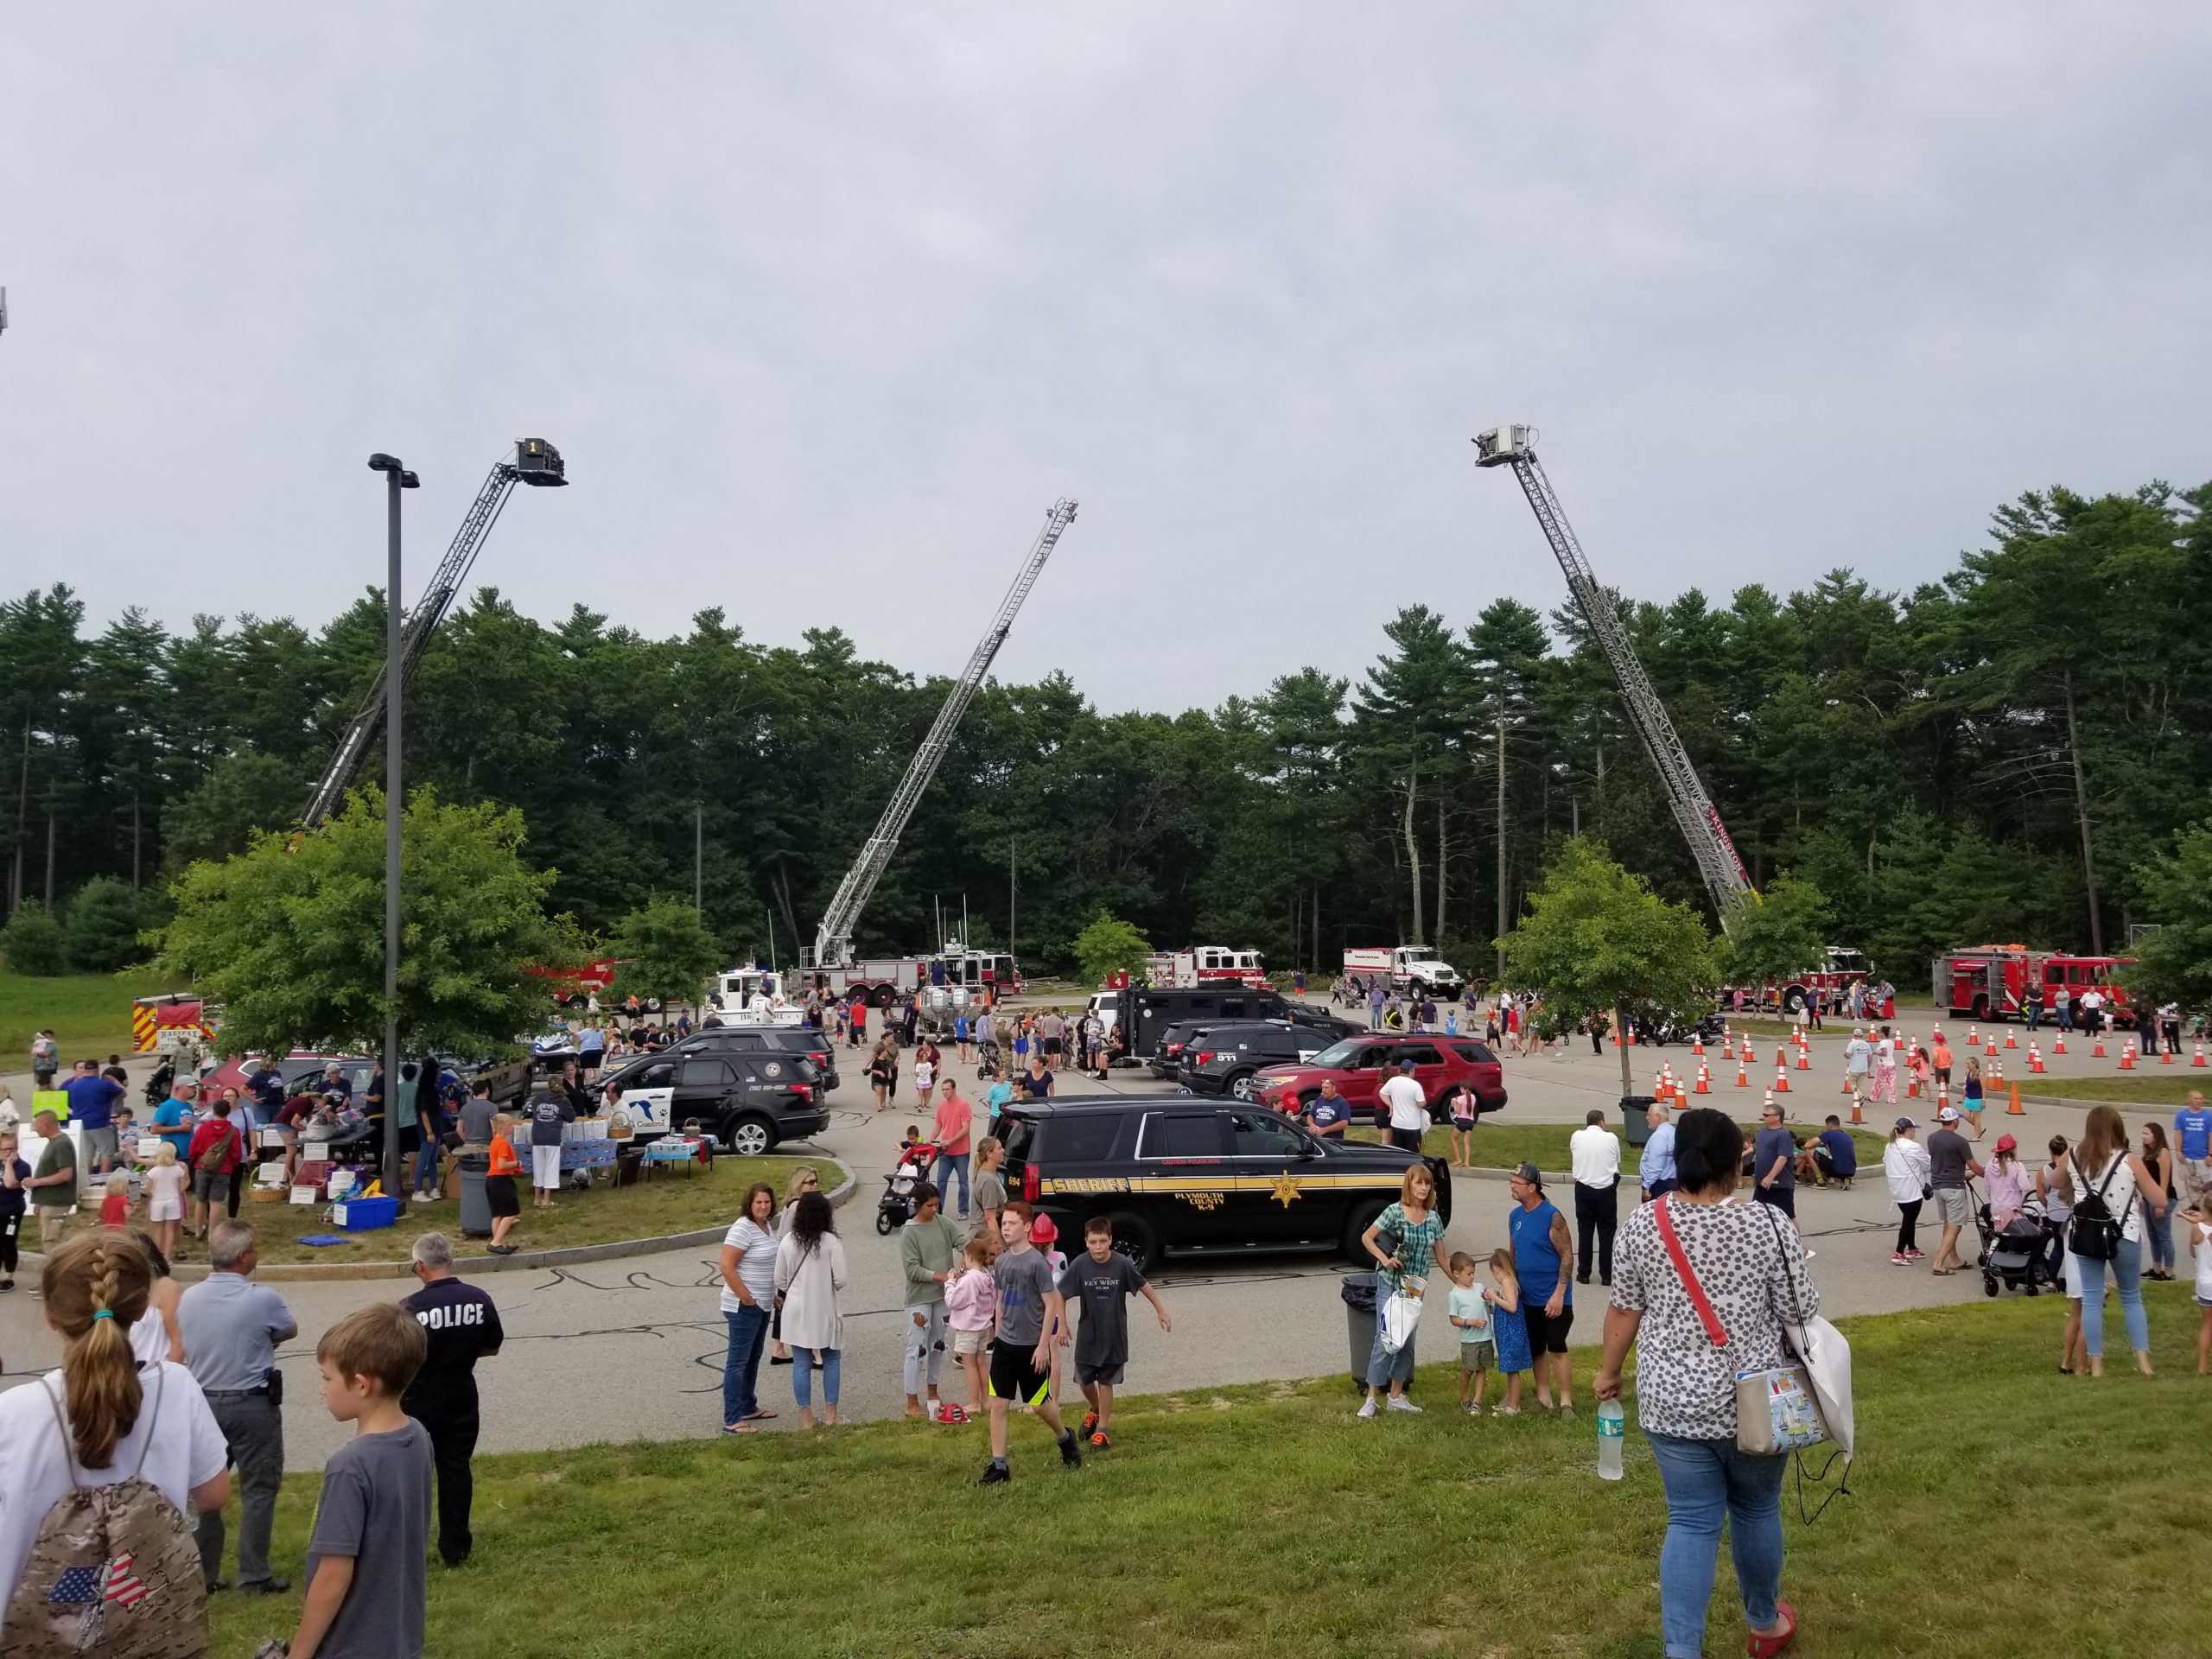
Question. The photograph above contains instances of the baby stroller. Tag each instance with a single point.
(2016, 1257)
(896, 1208)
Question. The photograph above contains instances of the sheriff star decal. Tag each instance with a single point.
(1285, 1191)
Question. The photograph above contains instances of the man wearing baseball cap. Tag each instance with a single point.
(1543, 1261)
(1951, 1161)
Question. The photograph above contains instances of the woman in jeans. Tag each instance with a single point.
(748, 1293)
(2159, 1215)
(1905, 1167)
(1404, 1241)
(1753, 1273)
(2100, 1163)
(810, 1274)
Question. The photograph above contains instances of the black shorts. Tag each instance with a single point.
(1546, 1333)
(587, 1061)
(1783, 1198)
(1050, 1045)
(499, 1192)
(1104, 1372)
(1943, 1074)
(1011, 1377)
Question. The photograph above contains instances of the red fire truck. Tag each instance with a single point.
(1840, 968)
(1994, 982)
(574, 988)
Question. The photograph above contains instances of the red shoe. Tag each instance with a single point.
(1761, 1647)
(1089, 1423)
(1098, 1440)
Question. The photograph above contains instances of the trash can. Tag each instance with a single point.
(1359, 1291)
(1635, 1126)
(474, 1163)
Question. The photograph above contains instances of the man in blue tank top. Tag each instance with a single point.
(1543, 1260)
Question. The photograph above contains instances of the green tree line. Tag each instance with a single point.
(2005, 753)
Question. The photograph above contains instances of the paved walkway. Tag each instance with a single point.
(633, 1347)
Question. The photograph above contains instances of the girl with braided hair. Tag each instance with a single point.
(104, 1417)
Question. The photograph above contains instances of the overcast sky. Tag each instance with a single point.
(824, 304)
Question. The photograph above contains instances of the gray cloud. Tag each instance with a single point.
(825, 304)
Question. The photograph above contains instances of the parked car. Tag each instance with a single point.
(749, 1100)
(789, 1039)
(1360, 1064)
(1173, 1174)
(1224, 1059)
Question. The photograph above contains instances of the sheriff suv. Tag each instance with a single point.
(1361, 1065)
(1173, 1174)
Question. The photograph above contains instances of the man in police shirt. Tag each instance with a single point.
(463, 1327)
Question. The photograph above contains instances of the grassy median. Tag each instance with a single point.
(1501, 1146)
(1997, 1508)
(668, 1203)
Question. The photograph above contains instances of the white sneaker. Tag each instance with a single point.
(1809, 1255)
(1399, 1402)
(1367, 1408)
(1474, 1408)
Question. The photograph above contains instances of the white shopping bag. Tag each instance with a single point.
(1401, 1313)
(1827, 1358)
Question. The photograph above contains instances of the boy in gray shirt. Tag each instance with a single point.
(1030, 1317)
(367, 1586)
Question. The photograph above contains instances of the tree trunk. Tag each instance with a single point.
(2082, 812)
(1413, 849)
(1620, 1030)
(1505, 906)
(49, 860)
(1440, 865)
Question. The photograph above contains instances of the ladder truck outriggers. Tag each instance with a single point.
(831, 964)
(535, 462)
(1724, 879)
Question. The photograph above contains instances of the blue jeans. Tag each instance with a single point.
(2158, 1225)
(748, 1334)
(1384, 1368)
(951, 1167)
(1709, 1482)
(2126, 1266)
(803, 1377)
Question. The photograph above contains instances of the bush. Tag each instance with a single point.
(104, 925)
(32, 942)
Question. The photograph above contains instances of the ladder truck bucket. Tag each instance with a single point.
(538, 463)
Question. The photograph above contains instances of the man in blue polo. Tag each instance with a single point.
(2193, 1148)
(1656, 1172)
(91, 1109)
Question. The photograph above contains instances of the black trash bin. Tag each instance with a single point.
(1634, 1124)
(1360, 1291)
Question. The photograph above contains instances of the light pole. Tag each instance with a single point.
(396, 478)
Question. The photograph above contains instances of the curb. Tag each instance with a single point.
(571, 1256)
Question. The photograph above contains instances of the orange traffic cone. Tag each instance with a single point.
(1747, 1049)
(1857, 1117)
(1942, 1096)
(2058, 1044)
(1997, 1075)
(1704, 1082)
(1697, 1042)
(1743, 1078)
(1632, 1036)
(2098, 1053)
(1804, 1059)
(1769, 1101)
(2035, 1059)
(1781, 1079)
(2127, 1057)
(2011, 1041)
(2016, 1110)
(1990, 1048)
(2199, 1060)
(1972, 1042)
(2166, 1056)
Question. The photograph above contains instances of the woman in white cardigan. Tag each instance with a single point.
(810, 1279)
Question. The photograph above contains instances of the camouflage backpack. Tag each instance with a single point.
(114, 1570)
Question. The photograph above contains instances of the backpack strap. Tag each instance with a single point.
(68, 1446)
(1715, 1332)
(151, 1416)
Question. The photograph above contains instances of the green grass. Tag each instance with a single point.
(1265, 1520)
(1500, 1145)
(667, 1203)
(89, 1014)
(2165, 1086)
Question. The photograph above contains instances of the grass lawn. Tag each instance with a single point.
(1501, 1146)
(89, 1014)
(666, 1203)
(1266, 1520)
(2163, 1086)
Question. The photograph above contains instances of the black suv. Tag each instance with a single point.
(747, 1099)
(1167, 1057)
(1222, 1059)
(791, 1039)
(1174, 1173)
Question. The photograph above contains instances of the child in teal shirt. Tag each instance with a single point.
(1470, 1316)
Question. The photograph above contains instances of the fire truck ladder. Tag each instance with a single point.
(1725, 880)
(534, 462)
(833, 944)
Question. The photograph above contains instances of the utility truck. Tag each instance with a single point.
(1408, 967)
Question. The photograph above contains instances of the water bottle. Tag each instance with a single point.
(1611, 1426)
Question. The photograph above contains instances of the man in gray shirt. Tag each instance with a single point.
(476, 1116)
(231, 1328)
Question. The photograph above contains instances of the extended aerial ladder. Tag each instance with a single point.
(535, 462)
(1514, 447)
(833, 943)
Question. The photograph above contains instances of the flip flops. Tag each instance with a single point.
(1762, 1646)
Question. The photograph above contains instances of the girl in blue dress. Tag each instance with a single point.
(1508, 1329)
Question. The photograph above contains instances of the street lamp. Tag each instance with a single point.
(397, 478)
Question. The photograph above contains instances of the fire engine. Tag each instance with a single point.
(1841, 969)
(1993, 982)
(165, 1024)
(884, 980)
(576, 988)
(1205, 965)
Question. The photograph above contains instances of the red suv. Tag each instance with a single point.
(1361, 1063)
